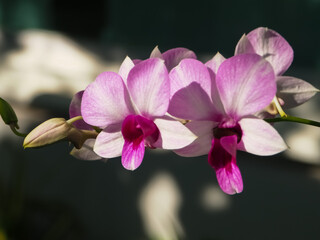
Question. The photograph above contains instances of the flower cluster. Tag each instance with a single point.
(174, 101)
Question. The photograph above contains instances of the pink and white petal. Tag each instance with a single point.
(173, 134)
(260, 138)
(187, 72)
(174, 56)
(202, 144)
(75, 110)
(213, 66)
(246, 84)
(156, 53)
(75, 105)
(294, 91)
(125, 68)
(132, 155)
(149, 87)
(273, 47)
(86, 151)
(244, 46)
(106, 101)
(227, 172)
(230, 179)
(191, 91)
(215, 62)
(109, 144)
(193, 103)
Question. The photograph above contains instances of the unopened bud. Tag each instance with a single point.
(7, 113)
(55, 130)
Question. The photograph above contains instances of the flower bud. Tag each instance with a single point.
(7, 113)
(54, 130)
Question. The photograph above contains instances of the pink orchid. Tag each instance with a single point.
(171, 58)
(274, 48)
(220, 100)
(130, 108)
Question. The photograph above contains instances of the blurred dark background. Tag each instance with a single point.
(203, 26)
(46, 194)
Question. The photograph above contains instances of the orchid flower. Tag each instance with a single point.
(171, 58)
(130, 108)
(220, 100)
(273, 47)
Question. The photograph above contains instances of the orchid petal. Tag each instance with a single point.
(215, 62)
(125, 68)
(230, 179)
(75, 110)
(273, 47)
(246, 84)
(132, 154)
(187, 72)
(294, 91)
(224, 163)
(109, 142)
(244, 46)
(260, 138)
(136, 61)
(173, 134)
(174, 56)
(213, 66)
(191, 91)
(156, 53)
(106, 101)
(86, 151)
(135, 130)
(202, 144)
(149, 87)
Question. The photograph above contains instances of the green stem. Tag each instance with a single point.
(288, 118)
(72, 120)
(15, 131)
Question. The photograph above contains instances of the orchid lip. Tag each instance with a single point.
(138, 132)
(136, 128)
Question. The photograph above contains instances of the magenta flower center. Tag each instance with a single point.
(136, 129)
(220, 132)
(222, 157)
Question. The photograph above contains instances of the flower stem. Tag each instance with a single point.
(278, 106)
(15, 131)
(288, 118)
(72, 120)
